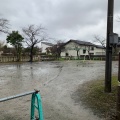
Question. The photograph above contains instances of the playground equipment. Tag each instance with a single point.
(36, 103)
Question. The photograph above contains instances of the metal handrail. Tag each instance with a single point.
(17, 96)
(36, 98)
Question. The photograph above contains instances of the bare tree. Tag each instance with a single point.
(33, 35)
(88, 49)
(59, 46)
(77, 49)
(101, 41)
(56, 49)
(4, 23)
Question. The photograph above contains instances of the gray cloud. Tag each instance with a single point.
(63, 19)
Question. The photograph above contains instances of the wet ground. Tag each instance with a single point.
(57, 81)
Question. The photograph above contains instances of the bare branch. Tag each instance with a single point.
(100, 41)
(27, 43)
(34, 34)
(4, 23)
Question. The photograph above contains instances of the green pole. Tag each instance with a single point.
(33, 107)
(36, 102)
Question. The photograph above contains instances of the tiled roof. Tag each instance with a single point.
(46, 43)
(99, 46)
(84, 43)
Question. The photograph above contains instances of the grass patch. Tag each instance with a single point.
(92, 96)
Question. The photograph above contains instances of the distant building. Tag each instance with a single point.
(78, 48)
(45, 45)
(1, 52)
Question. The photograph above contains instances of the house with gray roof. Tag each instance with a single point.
(77, 48)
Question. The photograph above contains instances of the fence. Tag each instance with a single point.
(47, 58)
(14, 58)
(36, 103)
(87, 57)
(51, 58)
(26, 58)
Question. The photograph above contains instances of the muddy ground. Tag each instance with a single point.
(57, 81)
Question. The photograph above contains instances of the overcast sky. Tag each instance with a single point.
(63, 19)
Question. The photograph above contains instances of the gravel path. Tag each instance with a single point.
(57, 81)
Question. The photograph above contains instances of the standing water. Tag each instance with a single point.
(57, 81)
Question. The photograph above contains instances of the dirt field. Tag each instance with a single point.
(57, 81)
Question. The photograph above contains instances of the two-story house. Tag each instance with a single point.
(78, 48)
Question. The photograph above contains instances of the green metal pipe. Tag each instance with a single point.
(36, 103)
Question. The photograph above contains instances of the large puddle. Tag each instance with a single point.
(56, 82)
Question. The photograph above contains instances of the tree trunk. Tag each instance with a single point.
(18, 57)
(17, 49)
(18, 53)
(31, 54)
(77, 54)
(59, 53)
(89, 55)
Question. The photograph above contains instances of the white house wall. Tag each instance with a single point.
(99, 51)
(44, 46)
(72, 53)
(69, 48)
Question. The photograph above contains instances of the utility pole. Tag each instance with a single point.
(118, 91)
(108, 66)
